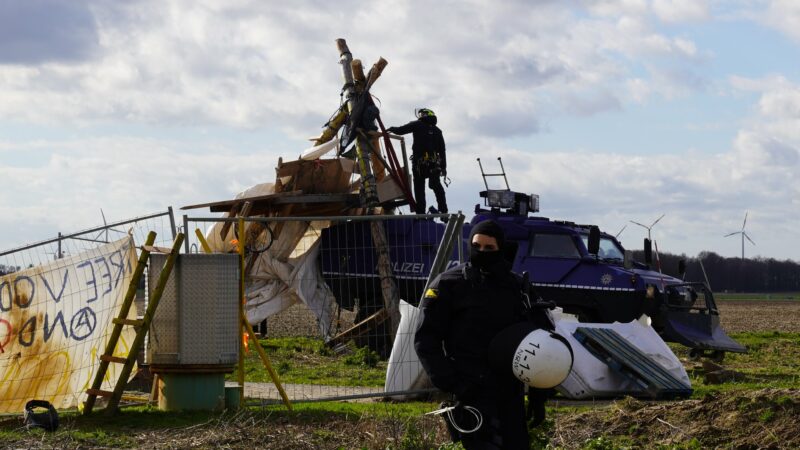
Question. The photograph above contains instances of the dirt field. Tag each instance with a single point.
(739, 316)
(748, 415)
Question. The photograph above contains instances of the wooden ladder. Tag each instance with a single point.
(142, 326)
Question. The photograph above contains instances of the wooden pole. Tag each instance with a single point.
(265, 360)
(359, 79)
(362, 149)
(391, 300)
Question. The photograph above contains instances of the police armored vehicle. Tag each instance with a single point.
(581, 269)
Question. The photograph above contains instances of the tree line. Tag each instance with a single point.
(733, 274)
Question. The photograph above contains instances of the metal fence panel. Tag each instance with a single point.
(344, 306)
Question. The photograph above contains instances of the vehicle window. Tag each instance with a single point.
(553, 246)
(608, 249)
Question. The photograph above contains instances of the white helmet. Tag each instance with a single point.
(542, 359)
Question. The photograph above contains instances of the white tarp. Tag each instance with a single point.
(286, 273)
(55, 320)
(589, 377)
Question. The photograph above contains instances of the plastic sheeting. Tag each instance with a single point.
(286, 273)
(404, 371)
(588, 378)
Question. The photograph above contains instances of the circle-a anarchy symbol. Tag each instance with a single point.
(82, 324)
(9, 330)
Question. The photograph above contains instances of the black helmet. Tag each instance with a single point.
(424, 112)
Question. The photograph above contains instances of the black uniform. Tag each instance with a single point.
(428, 160)
(464, 309)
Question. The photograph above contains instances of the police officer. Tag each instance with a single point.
(464, 308)
(428, 160)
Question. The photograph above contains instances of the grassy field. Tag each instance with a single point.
(761, 407)
(309, 361)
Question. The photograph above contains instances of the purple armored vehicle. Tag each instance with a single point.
(581, 269)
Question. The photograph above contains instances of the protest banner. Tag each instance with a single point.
(55, 320)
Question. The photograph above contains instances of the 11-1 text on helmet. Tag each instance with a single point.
(542, 360)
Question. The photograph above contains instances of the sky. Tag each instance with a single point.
(611, 111)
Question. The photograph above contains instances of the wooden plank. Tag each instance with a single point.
(227, 225)
(228, 203)
(99, 393)
(155, 249)
(360, 328)
(317, 198)
(114, 359)
(131, 322)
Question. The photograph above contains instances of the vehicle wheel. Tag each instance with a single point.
(717, 356)
(695, 354)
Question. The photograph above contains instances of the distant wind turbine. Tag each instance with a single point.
(743, 233)
(621, 230)
(650, 227)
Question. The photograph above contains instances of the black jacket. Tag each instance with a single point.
(427, 139)
(465, 314)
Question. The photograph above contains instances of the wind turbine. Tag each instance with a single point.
(650, 227)
(620, 231)
(743, 233)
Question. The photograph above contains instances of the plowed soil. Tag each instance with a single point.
(739, 316)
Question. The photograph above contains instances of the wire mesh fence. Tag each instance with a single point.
(57, 300)
(67, 244)
(327, 293)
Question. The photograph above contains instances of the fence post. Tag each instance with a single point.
(172, 223)
(185, 228)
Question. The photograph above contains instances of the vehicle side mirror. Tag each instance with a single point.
(594, 240)
(681, 268)
(648, 251)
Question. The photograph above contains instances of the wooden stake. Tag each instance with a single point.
(267, 365)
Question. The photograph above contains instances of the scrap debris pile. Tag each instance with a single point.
(363, 176)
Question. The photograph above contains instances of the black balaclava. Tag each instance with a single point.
(492, 262)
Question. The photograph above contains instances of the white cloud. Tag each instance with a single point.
(783, 15)
(490, 70)
(675, 11)
(249, 63)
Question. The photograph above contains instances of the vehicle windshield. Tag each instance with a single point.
(608, 248)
